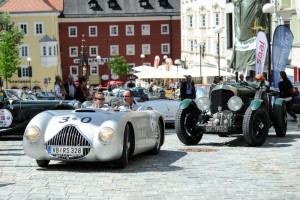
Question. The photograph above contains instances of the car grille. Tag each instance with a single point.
(69, 136)
(220, 98)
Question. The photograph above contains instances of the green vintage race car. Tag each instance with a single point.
(230, 109)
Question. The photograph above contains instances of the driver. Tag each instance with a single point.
(261, 83)
(128, 100)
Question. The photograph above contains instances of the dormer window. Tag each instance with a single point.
(112, 3)
(144, 3)
(93, 4)
(163, 3)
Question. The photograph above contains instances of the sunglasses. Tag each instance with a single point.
(100, 99)
(127, 96)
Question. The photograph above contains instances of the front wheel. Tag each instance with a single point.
(256, 126)
(42, 163)
(122, 162)
(280, 120)
(186, 126)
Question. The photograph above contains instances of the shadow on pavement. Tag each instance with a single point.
(140, 163)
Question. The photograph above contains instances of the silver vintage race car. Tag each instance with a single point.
(93, 135)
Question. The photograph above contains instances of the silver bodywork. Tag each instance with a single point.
(81, 128)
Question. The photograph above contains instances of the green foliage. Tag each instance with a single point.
(10, 40)
(119, 65)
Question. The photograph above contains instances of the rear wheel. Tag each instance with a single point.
(122, 162)
(42, 163)
(280, 120)
(256, 126)
(186, 126)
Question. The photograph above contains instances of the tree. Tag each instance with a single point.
(119, 65)
(10, 40)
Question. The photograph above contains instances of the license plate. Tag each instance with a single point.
(216, 129)
(66, 150)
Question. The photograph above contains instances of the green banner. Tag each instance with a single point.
(248, 21)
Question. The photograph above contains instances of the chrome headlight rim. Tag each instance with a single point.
(32, 133)
(203, 103)
(105, 135)
(235, 103)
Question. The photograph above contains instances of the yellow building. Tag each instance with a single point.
(39, 52)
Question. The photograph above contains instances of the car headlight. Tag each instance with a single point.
(235, 103)
(32, 133)
(203, 103)
(105, 135)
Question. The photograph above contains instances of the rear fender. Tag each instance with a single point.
(279, 102)
(255, 104)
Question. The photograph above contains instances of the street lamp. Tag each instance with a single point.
(142, 57)
(218, 30)
(269, 8)
(177, 62)
(98, 58)
(29, 72)
(200, 54)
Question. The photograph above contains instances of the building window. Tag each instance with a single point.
(164, 29)
(94, 70)
(165, 48)
(202, 21)
(217, 19)
(73, 31)
(44, 53)
(131, 71)
(146, 49)
(73, 51)
(192, 45)
(93, 50)
(38, 29)
(74, 70)
(113, 30)
(130, 49)
(93, 31)
(129, 30)
(190, 22)
(114, 50)
(24, 27)
(25, 71)
(50, 51)
(24, 51)
(145, 29)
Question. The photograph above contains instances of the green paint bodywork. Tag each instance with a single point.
(255, 104)
(185, 103)
(279, 101)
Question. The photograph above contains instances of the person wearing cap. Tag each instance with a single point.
(261, 83)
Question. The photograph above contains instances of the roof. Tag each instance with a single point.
(15, 6)
(130, 8)
(46, 38)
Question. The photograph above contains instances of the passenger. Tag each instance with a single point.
(242, 80)
(187, 89)
(284, 86)
(99, 101)
(261, 83)
(128, 100)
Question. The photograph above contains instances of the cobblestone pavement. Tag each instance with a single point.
(216, 168)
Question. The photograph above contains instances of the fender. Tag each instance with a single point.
(279, 101)
(185, 103)
(255, 104)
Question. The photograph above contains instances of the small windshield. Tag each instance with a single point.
(13, 93)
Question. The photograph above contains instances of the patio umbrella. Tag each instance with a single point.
(207, 71)
(142, 68)
(174, 69)
(157, 74)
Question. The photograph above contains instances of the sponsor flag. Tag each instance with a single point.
(282, 44)
(261, 52)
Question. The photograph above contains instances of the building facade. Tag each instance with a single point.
(39, 53)
(96, 31)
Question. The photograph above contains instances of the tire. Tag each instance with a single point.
(256, 126)
(186, 126)
(42, 163)
(280, 120)
(159, 140)
(122, 162)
